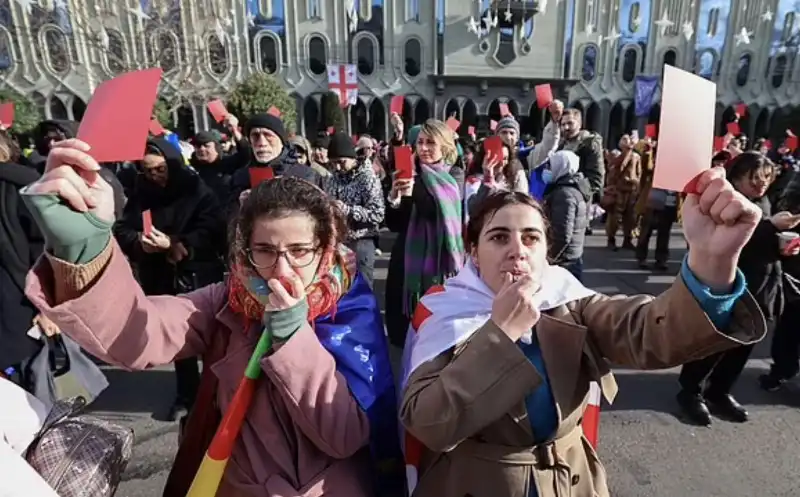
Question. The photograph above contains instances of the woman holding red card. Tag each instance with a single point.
(293, 340)
(425, 211)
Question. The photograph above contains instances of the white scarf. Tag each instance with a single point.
(465, 305)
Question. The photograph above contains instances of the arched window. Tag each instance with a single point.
(670, 56)
(743, 70)
(217, 56)
(165, 51)
(788, 26)
(366, 56)
(268, 47)
(57, 48)
(713, 21)
(589, 68)
(629, 65)
(633, 17)
(780, 71)
(115, 55)
(365, 10)
(265, 8)
(6, 52)
(317, 55)
(413, 56)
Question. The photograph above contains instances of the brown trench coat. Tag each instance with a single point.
(467, 405)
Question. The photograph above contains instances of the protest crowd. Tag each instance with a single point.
(247, 260)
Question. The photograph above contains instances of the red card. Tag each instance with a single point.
(156, 129)
(494, 148)
(741, 110)
(719, 143)
(396, 107)
(403, 162)
(117, 120)
(259, 174)
(651, 131)
(492, 125)
(453, 123)
(471, 131)
(733, 129)
(218, 110)
(7, 114)
(768, 144)
(147, 222)
(274, 111)
(791, 143)
(544, 95)
(792, 246)
(331, 130)
(504, 110)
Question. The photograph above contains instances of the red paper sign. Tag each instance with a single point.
(504, 110)
(651, 131)
(471, 131)
(494, 148)
(768, 144)
(733, 129)
(260, 174)
(7, 114)
(156, 129)
(396, 107)
(147, 222)
(719, 143)
(791, 143)
(274, 111)
(403, 162)
(453, 123)
(218, 110)
(331, 130)
(492, 125)
(741, 110)
(117, 119)
(544, 95)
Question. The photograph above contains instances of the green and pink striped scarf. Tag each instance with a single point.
(434, 250)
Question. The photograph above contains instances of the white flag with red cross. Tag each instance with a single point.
(343, 80)
(450, 314)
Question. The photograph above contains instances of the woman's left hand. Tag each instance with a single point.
(287, 292)
(717, 222)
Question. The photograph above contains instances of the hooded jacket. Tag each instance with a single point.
(566, 202)
(185, 209)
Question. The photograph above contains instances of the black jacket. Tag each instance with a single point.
(566, 204)
(21, 243)
(761, 265)
(187, 211)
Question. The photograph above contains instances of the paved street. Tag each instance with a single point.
(648, 451)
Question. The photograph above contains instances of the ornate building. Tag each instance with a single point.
(448, 57)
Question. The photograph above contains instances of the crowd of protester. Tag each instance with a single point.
(190, 248)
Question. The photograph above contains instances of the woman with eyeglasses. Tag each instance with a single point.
(182, 251)
(294, 324)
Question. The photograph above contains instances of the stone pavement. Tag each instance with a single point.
(647, 449)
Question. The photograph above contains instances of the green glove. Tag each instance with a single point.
(72, 236)
(284, 323)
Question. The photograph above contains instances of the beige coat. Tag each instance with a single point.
(467, 405)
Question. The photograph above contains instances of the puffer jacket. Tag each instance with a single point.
(565, 203)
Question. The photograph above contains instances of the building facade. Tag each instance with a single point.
(459, 58)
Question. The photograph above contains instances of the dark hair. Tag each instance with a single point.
(509, 172)
(281, 197)
(489, 206)
(747, 164)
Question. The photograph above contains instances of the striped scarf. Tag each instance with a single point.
(434, 250)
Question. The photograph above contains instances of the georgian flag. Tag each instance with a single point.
(441, 321)
(343, 80)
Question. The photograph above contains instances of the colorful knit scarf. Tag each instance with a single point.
(434, 250)
(248, 292)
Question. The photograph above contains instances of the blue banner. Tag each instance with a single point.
(644, 94)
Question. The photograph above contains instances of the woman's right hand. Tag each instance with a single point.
(490, 165)
(401, 188)
(514, 310)
(72, 174)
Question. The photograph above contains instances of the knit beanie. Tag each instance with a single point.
(268, 121)
(507, 122)
(341, 147)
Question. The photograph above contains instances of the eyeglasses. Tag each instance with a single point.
(297, 257)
